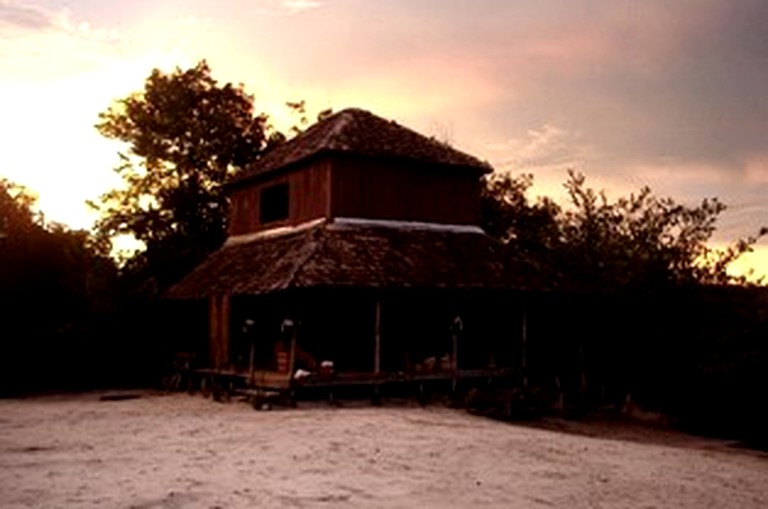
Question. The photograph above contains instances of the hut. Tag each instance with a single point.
(355, 255)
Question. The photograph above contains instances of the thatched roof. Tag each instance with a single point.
(358, 132)
(328, 254)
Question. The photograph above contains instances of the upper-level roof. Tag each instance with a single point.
(358, 132)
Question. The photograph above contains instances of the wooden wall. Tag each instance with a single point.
(309, 188)
(363, 188)
(367, 188)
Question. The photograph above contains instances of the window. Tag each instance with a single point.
(274, 203)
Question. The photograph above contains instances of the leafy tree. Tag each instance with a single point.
(507, 214)
(637, 243)
(54, 284)
(16, 214)
(22, 237)
(186, 135)
(299, 110)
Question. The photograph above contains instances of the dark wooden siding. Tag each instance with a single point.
(308, 198)
(367, 188)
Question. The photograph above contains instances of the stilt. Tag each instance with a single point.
(251, 362)
(375, 399)
(455, 357)
(292, 354)
(377, 338)
(456, 329)
(292, 360)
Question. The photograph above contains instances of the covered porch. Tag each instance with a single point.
(341, 338)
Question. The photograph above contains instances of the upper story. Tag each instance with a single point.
(354, 164)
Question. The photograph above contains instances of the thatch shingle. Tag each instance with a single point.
(332, 255)
(358, 132)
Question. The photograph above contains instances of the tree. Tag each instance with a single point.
(54, 284)
(16, 214)
(186, 136)
(507, 214)
(637, 243)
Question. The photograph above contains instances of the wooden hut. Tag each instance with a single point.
(355, 255)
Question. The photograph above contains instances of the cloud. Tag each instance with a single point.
(26, 17)
(756, 170)
(543, 148)
(59, 75)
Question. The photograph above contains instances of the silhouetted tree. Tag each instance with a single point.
(633, 244)
(186, 135)
(507, 214)
(643, 240)
(54, 284)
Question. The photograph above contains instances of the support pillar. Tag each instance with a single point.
(377, 338)
(218, 329)
(248, 331)
(456, 329)
(292, 352)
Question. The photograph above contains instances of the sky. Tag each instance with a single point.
(669, 94)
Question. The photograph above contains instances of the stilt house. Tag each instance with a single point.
(355, 253)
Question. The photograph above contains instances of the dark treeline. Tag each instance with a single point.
(72, 318)
(642, 305)
(55, 289)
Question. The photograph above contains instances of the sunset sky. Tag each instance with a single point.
(671, 94)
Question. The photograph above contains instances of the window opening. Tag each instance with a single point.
(274, 203)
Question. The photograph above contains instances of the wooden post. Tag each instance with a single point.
(251, 361)
(224, 311)
(377, 338)
(583, 368)
(292, 362)
(524, 363)
(213, 333)
(218, 323)
(292, 354)
(455, 361)
(455, 331)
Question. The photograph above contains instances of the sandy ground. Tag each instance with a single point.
(186, 451)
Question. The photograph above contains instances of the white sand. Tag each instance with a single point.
(186, 451)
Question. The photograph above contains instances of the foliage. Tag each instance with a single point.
(299, 110)
(54, 283)
(637, 243)
(16, 212)
(186, 135)
(507, 214)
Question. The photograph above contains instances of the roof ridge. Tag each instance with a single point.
(275, 232)
(340, 123)
(315, 246)
(359, 132)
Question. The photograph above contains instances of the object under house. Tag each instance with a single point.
(355, 255)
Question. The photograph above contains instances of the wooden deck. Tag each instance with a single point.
(276, 381)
